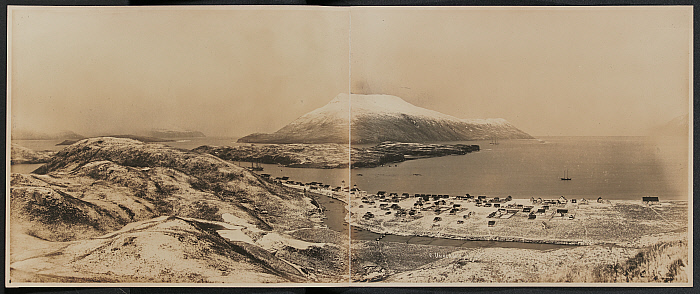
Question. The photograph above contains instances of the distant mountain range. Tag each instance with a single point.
(70, 137)
(170, 133)
(679, 126)
(22, 134)
(379, 118)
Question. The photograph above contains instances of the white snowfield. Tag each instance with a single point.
(344, 107)
(236, 227)
(377, 118)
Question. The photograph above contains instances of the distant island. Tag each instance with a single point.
(144, 139)
(379, 118)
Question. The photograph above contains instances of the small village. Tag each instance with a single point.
(575, 221)
(466, 207)
(560, 220)
(338, 192)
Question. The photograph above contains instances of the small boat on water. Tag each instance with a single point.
(494, 141)
(566, 176)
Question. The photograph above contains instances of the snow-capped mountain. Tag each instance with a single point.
(378, 118)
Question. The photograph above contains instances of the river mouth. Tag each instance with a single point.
(335, 212)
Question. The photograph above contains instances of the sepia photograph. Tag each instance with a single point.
(535, 145)
(349, 146)
(128, 154)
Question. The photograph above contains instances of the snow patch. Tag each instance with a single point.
(381, 105)
(277, 241)
(235, 235)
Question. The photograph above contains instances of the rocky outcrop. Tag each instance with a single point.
(334, 155)
(291, 155)
(389, 152)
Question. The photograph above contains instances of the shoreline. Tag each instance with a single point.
(576, 226)
(485, 238)
(382, 230)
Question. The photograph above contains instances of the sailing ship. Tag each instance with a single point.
(566, 176)
(494, 141)
(255, 166)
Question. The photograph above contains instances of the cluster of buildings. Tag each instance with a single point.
(435, 203)
(439, 205)
(316, 187)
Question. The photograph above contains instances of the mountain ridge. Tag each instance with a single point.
(377, 118)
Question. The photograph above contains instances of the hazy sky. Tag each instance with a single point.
(562, 71)
(220, 71)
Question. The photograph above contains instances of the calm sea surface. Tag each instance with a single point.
(610, 167)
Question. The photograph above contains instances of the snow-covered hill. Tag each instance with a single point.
(379, 118)
(119, 210)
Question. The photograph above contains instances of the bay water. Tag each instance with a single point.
(610, 167)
